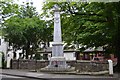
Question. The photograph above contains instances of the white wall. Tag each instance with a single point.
(18, 53)
(70, 56)
(3, 46)
(9, 57)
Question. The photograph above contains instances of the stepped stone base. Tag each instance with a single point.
(46, 69)
(57, 64)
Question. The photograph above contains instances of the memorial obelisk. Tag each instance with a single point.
(57, 61)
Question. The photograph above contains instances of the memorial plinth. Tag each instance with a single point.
(57, 61)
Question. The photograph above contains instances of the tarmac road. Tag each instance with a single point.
(8, 77)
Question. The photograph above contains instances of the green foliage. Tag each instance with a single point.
(0, 32)
(86, 23)
(37, 56)
(8, 9)
(23, 29)
(26, 29)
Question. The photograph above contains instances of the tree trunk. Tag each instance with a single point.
(27, 50)
(48, 44)
(117, 39)
(117, 46)
(117, 67)
(14, 53)
(23, 52)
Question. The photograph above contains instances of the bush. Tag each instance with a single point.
(4, 65)
(37, 56)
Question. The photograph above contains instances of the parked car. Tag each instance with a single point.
(102, 60)
(98, 59)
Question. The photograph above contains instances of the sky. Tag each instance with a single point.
(36, 3)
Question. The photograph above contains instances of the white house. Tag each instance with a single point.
(68, 54)
(3, 46)
(8, 55)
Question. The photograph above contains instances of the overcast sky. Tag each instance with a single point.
(36, 3)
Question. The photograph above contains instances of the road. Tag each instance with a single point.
(8, 77)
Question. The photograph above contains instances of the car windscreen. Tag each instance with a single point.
(96, 59)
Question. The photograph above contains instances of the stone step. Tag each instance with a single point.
(57, 69)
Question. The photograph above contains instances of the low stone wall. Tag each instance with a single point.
(28, 64)
(87, 66)
(81, 66)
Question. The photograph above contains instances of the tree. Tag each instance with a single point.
(117, 33)
(90, 24)
(25, 29)
(8, 9)
(75, 19)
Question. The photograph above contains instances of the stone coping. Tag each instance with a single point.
(80, 73)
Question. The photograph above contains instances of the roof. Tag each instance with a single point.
(46, 52)
(49, 50)
(93, 49)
